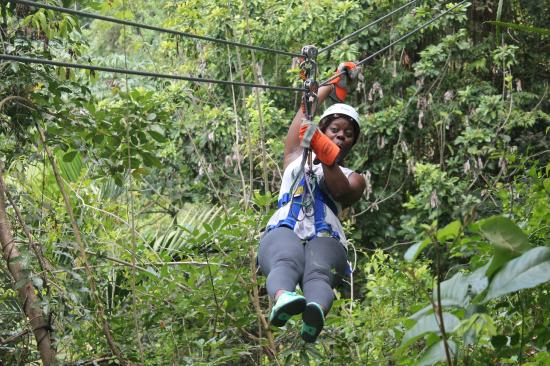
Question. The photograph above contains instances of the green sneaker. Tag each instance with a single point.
(288, 304)
(314, 320)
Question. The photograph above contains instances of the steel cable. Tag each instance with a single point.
(151, 27)
(31, 60)
(332, 45)
(396, 41)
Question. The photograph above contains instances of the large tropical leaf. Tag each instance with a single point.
(414, 250)
(436, 353)
(458, 290)
(70, 164)
(193, 219)
(429, 309)
(507, 238)
(428, 324)
(527, 271)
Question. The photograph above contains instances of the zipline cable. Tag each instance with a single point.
(31, 60)
(396, 41)
(332, 45)
(151, 27)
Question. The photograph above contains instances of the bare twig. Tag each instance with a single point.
(14, 338)
(375, 204)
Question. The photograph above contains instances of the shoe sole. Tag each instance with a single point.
(286, 311)
(313, 319)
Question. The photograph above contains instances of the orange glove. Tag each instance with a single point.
(312, 137)
(346, 82)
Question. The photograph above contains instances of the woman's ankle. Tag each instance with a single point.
(278, 293)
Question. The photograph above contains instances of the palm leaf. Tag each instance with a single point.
(522, 27)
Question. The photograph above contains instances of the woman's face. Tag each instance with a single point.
(342, 133)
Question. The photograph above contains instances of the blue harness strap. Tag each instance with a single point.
(319, 212)
(320, 199)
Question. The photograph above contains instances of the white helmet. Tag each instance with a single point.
(344, 109)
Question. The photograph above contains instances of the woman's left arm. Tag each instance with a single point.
(346, 190)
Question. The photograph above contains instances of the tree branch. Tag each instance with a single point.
(24, 287)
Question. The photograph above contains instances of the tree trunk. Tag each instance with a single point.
(26, 292)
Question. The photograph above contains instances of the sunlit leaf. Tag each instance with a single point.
(450, 231)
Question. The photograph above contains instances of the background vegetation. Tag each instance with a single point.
(134, 205)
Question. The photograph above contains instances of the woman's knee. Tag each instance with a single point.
(320, 273)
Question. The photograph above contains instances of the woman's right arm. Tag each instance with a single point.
(293, 149)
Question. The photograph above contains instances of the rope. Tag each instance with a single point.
(332, 45)
(396, 41)
(151, 27)
(31, 60)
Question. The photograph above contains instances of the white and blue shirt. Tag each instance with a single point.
(309, 215)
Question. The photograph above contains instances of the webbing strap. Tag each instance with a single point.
(308, 135)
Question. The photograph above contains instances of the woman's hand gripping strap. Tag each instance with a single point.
(346, 82)
(312, 138)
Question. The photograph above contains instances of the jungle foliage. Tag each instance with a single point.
(133, 206)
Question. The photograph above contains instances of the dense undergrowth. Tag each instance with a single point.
(172, 182)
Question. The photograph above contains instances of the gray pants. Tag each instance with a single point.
(317, 265)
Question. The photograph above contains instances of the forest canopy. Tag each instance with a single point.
(131, 206)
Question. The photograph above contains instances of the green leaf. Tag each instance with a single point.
(450, 231)
(454, 290)
(38, 282)
(429, 309)
(499, 15)
(507, 238)
(150, 160)
(460, 289)
(499, 341)
(428, 324)
(436, 353)
(527, 271)
(70, 170)
(159, 137)
(504, 233)
(42, 20)
(68, 157)
(152, 271)
(414, 251)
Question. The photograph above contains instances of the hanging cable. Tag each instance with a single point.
(332, 45)
(150, 27)
(31, 60)
(397, 40)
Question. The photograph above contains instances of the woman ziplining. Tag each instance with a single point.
(304, 242)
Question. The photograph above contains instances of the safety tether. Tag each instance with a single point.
(308, 73)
